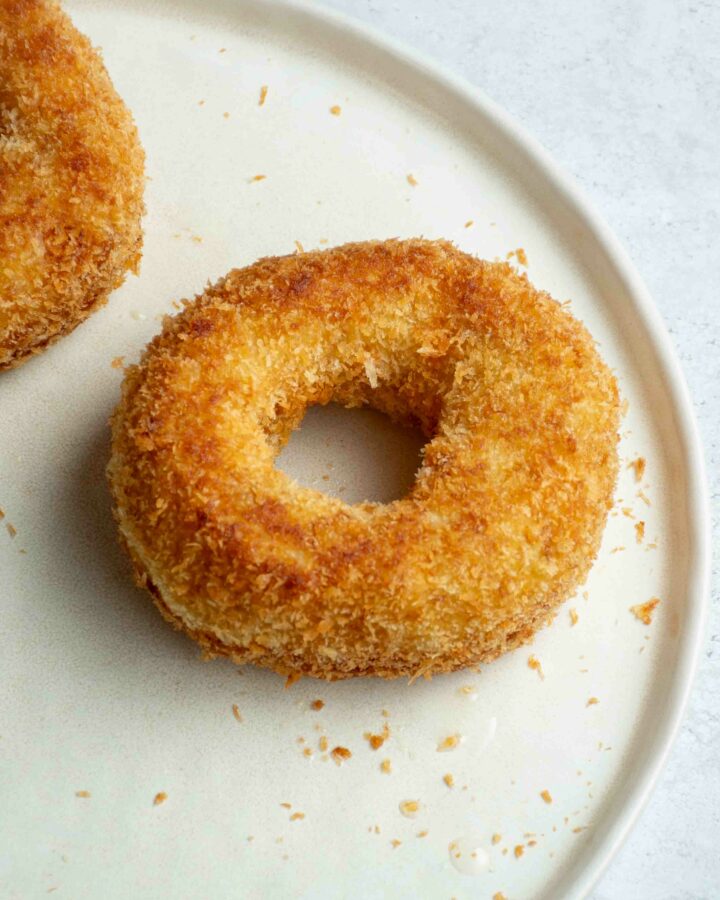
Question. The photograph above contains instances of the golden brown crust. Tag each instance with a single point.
(71, 180)
(508, 508)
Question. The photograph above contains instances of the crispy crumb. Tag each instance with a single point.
(323, 743)
(117, 362)
(286, 805)
(546, 796)
(307, 751)
(412, 180)
(377, 740)
(422, 834)
(386, 766)
(263, 95)
(258, 178)
(638, 467)
(11, 529)
(574, 617)
(296, 816)
(639, 531)
(534, 663)
(409, 808)
(340, 754)
(518, 851)
(159, 798)
(449, 743)
(498, 895)
(521, 256)
(317, 704)
(449, 780)
(644, 611)
(82, 794)
(395, 843)
(469, 223)
(335, 110)
(592, 701)
(496, 838)
(236, 712)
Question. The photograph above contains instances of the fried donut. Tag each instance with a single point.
(505, 516)
(71, 180)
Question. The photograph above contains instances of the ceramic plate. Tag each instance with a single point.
(357, 139)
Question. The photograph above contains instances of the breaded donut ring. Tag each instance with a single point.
(71, 180)
(507, 510)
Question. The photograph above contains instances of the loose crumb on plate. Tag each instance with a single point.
(386, 766)
(323, 743)
(449, 779)
(546, 796)
(258, 178)
(534, 663)
(82, 794)
(592, 701)
(644, 611)
(335, 110)
(412, 180)
(377, 740)
(317, 704)
(469, 223)
(422, 834)
(449, 743)
(638, 467)
(496, 838)
(117, 362)
(296, 816)
(236, 712)
(11, 529)
(498, 895)
(395, 843)
(263, 95)
(639, 531)
(159, 798)
(340, 754)
(409, 808)
(574, 617)
(518, 851)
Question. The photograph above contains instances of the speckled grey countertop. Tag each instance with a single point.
(626, 96)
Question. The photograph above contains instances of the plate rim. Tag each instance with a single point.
(565, 187)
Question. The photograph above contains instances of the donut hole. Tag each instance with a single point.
(359, 454)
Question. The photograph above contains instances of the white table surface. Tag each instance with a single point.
(626, 96)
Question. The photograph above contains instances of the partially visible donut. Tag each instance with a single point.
(71, 180)
(508, 508)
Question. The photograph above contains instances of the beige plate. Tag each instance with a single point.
(99, 695)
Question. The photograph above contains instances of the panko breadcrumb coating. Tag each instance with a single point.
(71, 180)
(507, 510)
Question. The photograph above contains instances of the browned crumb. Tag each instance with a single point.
(627, 512)
(412, 180)
(573, 617)
(335, 110)
(496, 838)
(449, 743)
(286, 805)
(307, 751)
(521, 256)
(296, 816)
(236, 712)
(386, 766)
(592, 701)
(639, 531)
(317, 704)
(409, 808)
(117, 362)
(422, 834)
(518, 851)
(11, 529)
(546, 796)
(534, 663)
(196, 239)
(638, 467)
(396, 843)
(263, 95)
(498, 895)
(323, 743)
(82, 794)
(644, 611)
(469, 223)
(377, 740)
(258, 178)
(222, 50)
(532, 843)
(340, 754)
(159, 798)
(449, 780)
